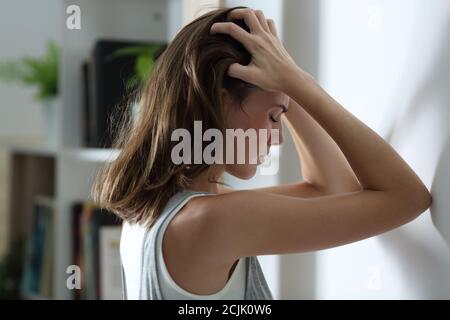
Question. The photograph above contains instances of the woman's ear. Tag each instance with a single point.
(226, 98)
(228, 104)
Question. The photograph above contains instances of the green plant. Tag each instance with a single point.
(145, 61)
(41, 72)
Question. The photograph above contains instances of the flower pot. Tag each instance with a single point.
(50, 108)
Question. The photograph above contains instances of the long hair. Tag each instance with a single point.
(184, 87)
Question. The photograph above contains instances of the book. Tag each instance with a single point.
(88, 102)
(93, 218)
(109, 263)
(46, 283)
(87, 275)
(77, 210)
(38, 270)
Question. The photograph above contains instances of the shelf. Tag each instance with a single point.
(91, 154)
(81, 154)
(28, 149)
(34, 297)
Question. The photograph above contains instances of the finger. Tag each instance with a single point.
(272, 27)
(262, 20)
(249, 16)
(239, 71)
(233, 30)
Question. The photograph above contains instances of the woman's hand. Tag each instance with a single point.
(271, 64)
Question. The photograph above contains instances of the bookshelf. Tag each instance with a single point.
(66, 170)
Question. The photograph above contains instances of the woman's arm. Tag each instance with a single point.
(323, 164)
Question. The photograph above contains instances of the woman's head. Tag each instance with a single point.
(189, 83)
(259, 113)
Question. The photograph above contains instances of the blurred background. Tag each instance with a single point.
(64, 64)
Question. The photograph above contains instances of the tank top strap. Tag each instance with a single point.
(150, 287)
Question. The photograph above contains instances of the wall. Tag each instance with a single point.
(26, 26)
(387, 62)
(300, 24)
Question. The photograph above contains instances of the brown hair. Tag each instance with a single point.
(184, 87)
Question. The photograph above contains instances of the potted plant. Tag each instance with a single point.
(145, 59)
(42, 73)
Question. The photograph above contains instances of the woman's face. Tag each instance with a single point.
(260, 110)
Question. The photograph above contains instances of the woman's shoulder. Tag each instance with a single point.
(187, 232)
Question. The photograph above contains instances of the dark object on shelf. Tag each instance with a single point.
(11, 267)
(105, 88)
(77, 211)
(92, 219)
(37, 277)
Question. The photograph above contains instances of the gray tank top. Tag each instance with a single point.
(256, 287)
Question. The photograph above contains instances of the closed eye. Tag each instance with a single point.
(273, 119)
(277, 118)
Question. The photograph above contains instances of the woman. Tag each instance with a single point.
(187, 237)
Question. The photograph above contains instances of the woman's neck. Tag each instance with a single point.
(207, 181)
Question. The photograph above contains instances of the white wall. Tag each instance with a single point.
(387, 62)
(25, 27)
(300, 23)
(273, 9)
(195, 8)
